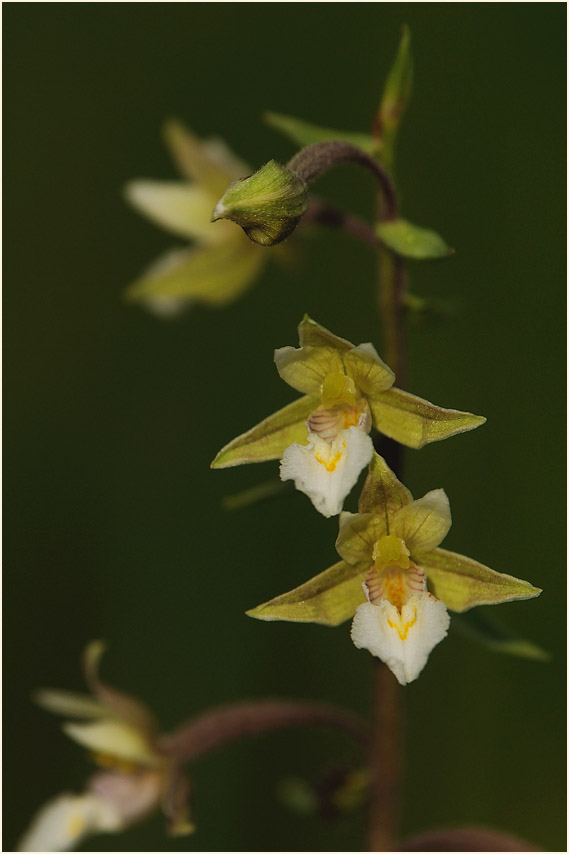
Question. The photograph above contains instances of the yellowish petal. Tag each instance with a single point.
(69, 704)
(114, 738)
(305, 369)
(183, 209)
(371, 375)
(423, 524)
(357, 536)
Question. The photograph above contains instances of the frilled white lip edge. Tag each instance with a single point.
(327, 472)
(403, 641)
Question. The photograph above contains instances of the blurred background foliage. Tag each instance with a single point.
(113, 526)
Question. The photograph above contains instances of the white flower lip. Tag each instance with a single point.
(65, 820)
(327, 472)
(402, 640)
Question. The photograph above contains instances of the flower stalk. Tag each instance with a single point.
(230, 723)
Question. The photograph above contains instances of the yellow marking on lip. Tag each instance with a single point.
(75, 826)
(330, 465)
(402, 632)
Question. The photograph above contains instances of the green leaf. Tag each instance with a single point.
(424, 523)
(305, 133)
(268, 440)
(395, 98)
(415, 422)
(462, 583)
(410, 241)
(382, 492)
(480, 627)
(329, 598)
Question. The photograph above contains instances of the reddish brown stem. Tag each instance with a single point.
(221, 726)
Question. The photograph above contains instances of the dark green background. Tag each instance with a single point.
(113, 526)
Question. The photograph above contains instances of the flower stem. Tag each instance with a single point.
(387, 732)
(223, 725)
(314, 160)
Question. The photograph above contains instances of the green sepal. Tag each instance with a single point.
(415, 422)
(423, 523)
(357, 536)
(382, 492)
(268, 440)
(480, 627)
(463, 583)
(395, 98)
(267, 205)
(312, 334)
(411, 241)
(328, 599)
(305, 133)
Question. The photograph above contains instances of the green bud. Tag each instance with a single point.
(267, 205)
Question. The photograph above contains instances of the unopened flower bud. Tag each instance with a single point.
(267, 205)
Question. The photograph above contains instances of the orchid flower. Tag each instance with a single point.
(134, 778)
(393, 578)
(223, 263)
(322, 438)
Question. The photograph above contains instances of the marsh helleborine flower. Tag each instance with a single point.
(223, 263)
(393, 578)
(322, 438)
(135, 775)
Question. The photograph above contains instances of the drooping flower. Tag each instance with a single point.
(135, 775)
(322, 438)
(393, 578)
(222, 263)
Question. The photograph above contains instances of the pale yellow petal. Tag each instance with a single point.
(180, 208)
(114, 738)
(424, 523)
(69, 704)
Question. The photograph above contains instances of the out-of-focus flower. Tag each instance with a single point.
(223, 263)
(322, 438)
(391, 549)
(134, 778)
